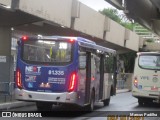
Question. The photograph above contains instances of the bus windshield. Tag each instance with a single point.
(149, 62)
(47, 51)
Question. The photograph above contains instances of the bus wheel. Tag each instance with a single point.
(106, 102)
(44, 106)
(90, 107)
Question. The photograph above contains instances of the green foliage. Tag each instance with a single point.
(150, 40)
(128, 25)
(114, 15)
(111, 13)
(128, 58)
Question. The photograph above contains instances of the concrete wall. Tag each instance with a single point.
(116, 33)
(84, 19)
(6, 2)
(5, 54)
(5, 39)
(141, 42)
(57, 11)
(153, 46)
(90, 22)
(133, 41)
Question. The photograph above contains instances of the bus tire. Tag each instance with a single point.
(90, 107)
(106, 102)
(44, 106)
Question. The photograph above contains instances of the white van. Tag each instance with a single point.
(146, 78)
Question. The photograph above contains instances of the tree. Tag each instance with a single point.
(111, 13)
(128, 58)
(119, 18)
(151, 40)
(127, 25)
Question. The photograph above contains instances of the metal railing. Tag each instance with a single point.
(121, 84)
(6, 91)
(124, 81)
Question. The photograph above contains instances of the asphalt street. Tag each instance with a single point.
(121, 104)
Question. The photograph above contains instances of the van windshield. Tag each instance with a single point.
(47, 51)
(149, 62)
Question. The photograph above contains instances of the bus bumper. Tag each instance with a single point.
(65, 97)
(155, 95)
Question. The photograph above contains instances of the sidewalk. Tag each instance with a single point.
(16, 104)
(122, 91)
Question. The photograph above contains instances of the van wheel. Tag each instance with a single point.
(140, 102)
(44, 106)
(148, 102)
(90, 107)
(106, 102)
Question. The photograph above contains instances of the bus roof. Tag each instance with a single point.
(144, 53)
(95, 46)
(81, 41)
(68, 37)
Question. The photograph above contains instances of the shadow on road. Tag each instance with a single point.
(149, 105)
(71, 111)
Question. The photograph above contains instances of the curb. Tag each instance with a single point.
(17, 104)
(122, 91)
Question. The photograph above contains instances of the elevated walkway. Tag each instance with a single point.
(152, 47)
(66, 18)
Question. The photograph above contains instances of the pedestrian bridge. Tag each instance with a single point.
(66, 17)
(146, 13)
(59, 17)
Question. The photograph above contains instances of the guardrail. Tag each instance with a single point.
(124, 81)
(121, 84)
(7, 90)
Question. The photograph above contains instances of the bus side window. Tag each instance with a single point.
(82, 60)
(109, 64)
(97, 63)
(32, 53)
(106, 64)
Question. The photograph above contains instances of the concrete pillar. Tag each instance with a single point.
(5, 41)
(5, 54)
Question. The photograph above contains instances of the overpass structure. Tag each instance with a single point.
(59, 17)
(145, 12)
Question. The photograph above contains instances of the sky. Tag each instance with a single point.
(96, 4)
